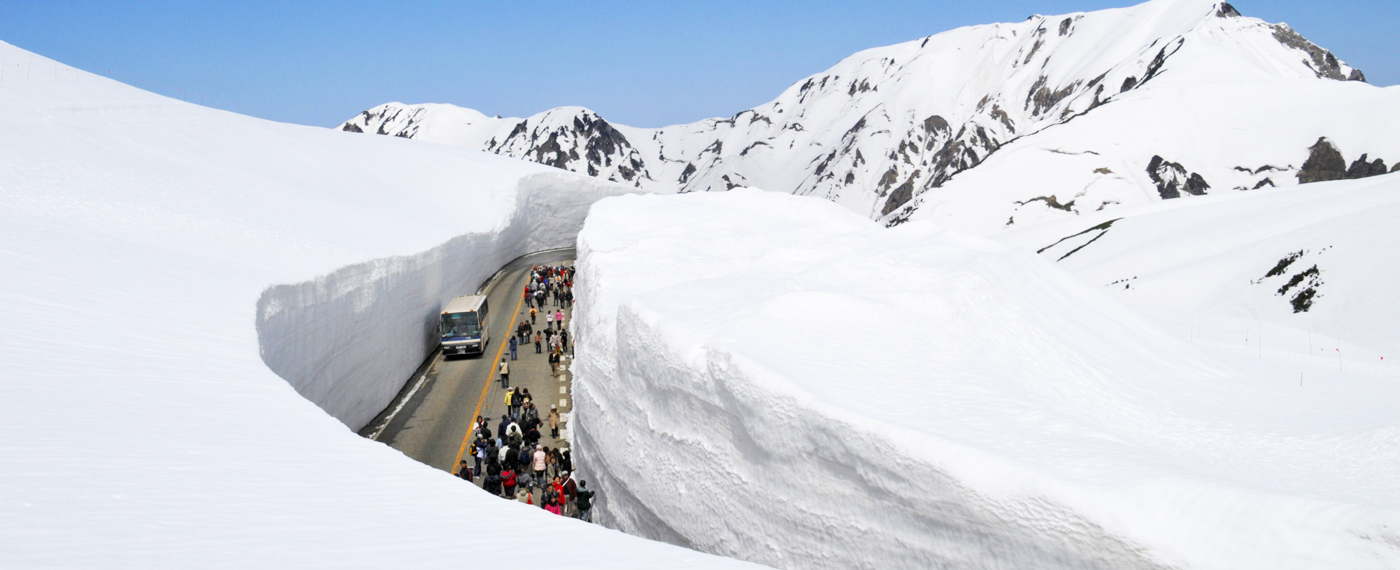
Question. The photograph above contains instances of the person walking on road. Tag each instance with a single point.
(538, 338)
(584, 502)
(559, 319)
(513, 344)
(554, 421)
(479, 452)
(505, 374)
(548, 320)
(532, 315)
(570, 495)
(508, 483)
(540, 463)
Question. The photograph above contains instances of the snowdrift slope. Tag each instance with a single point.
(777, 379)
(142, 427)
(1317, 258)
(997, 125)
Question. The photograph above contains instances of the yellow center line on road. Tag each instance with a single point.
(492, 375)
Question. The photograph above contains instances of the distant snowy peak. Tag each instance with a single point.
(882, 130)
(570, 138)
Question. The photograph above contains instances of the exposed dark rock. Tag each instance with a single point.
(1283, 264)
(1157, 62)
(1064, 26)
(746, 150)
(689, 170)
(1363, 169)
(1310, 279)
(891, 176)
(519, 128)
(861, 87)
(1324, 163)
(557, 157)
(1395, 168)
(351, 128)
(936, 125)
(1263, 183)
(1005, 119)
(1128, 83)
(1323, 63)
(1051, 201)
(1044, 98)
(1303, 300)
(1101, 228)
(1034, 48)
(1356, 75)
(1172, 179)
(1227, 11)
(900, 195)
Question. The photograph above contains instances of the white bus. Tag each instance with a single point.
(463, 326)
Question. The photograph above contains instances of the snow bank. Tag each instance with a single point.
(776, 379)
(138, 235)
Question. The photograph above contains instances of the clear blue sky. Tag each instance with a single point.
(638, 63)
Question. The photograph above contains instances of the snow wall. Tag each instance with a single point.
(349, 340)
(774, 379)
(142, 427)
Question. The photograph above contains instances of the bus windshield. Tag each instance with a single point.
(460, 324)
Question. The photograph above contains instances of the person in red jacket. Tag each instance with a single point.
(508, 483)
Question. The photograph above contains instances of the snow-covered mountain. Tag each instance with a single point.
(1070, 113)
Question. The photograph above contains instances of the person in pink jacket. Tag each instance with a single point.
(540, 464)
(559, 319)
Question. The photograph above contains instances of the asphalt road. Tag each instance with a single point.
(430, 422)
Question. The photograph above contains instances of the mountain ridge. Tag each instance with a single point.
(885, 131)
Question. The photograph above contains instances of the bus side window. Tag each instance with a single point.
(483, 310)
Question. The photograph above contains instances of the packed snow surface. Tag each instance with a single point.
(1319, 258)
(778, 379)
(146, 243)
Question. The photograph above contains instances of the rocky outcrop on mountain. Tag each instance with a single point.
(1321, 61)
(1172, 179)
(1065, 107)
(1325, 163)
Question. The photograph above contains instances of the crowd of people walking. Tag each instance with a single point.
(512, 462)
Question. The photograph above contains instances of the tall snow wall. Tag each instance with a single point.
(348, 341)
(775, 379)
